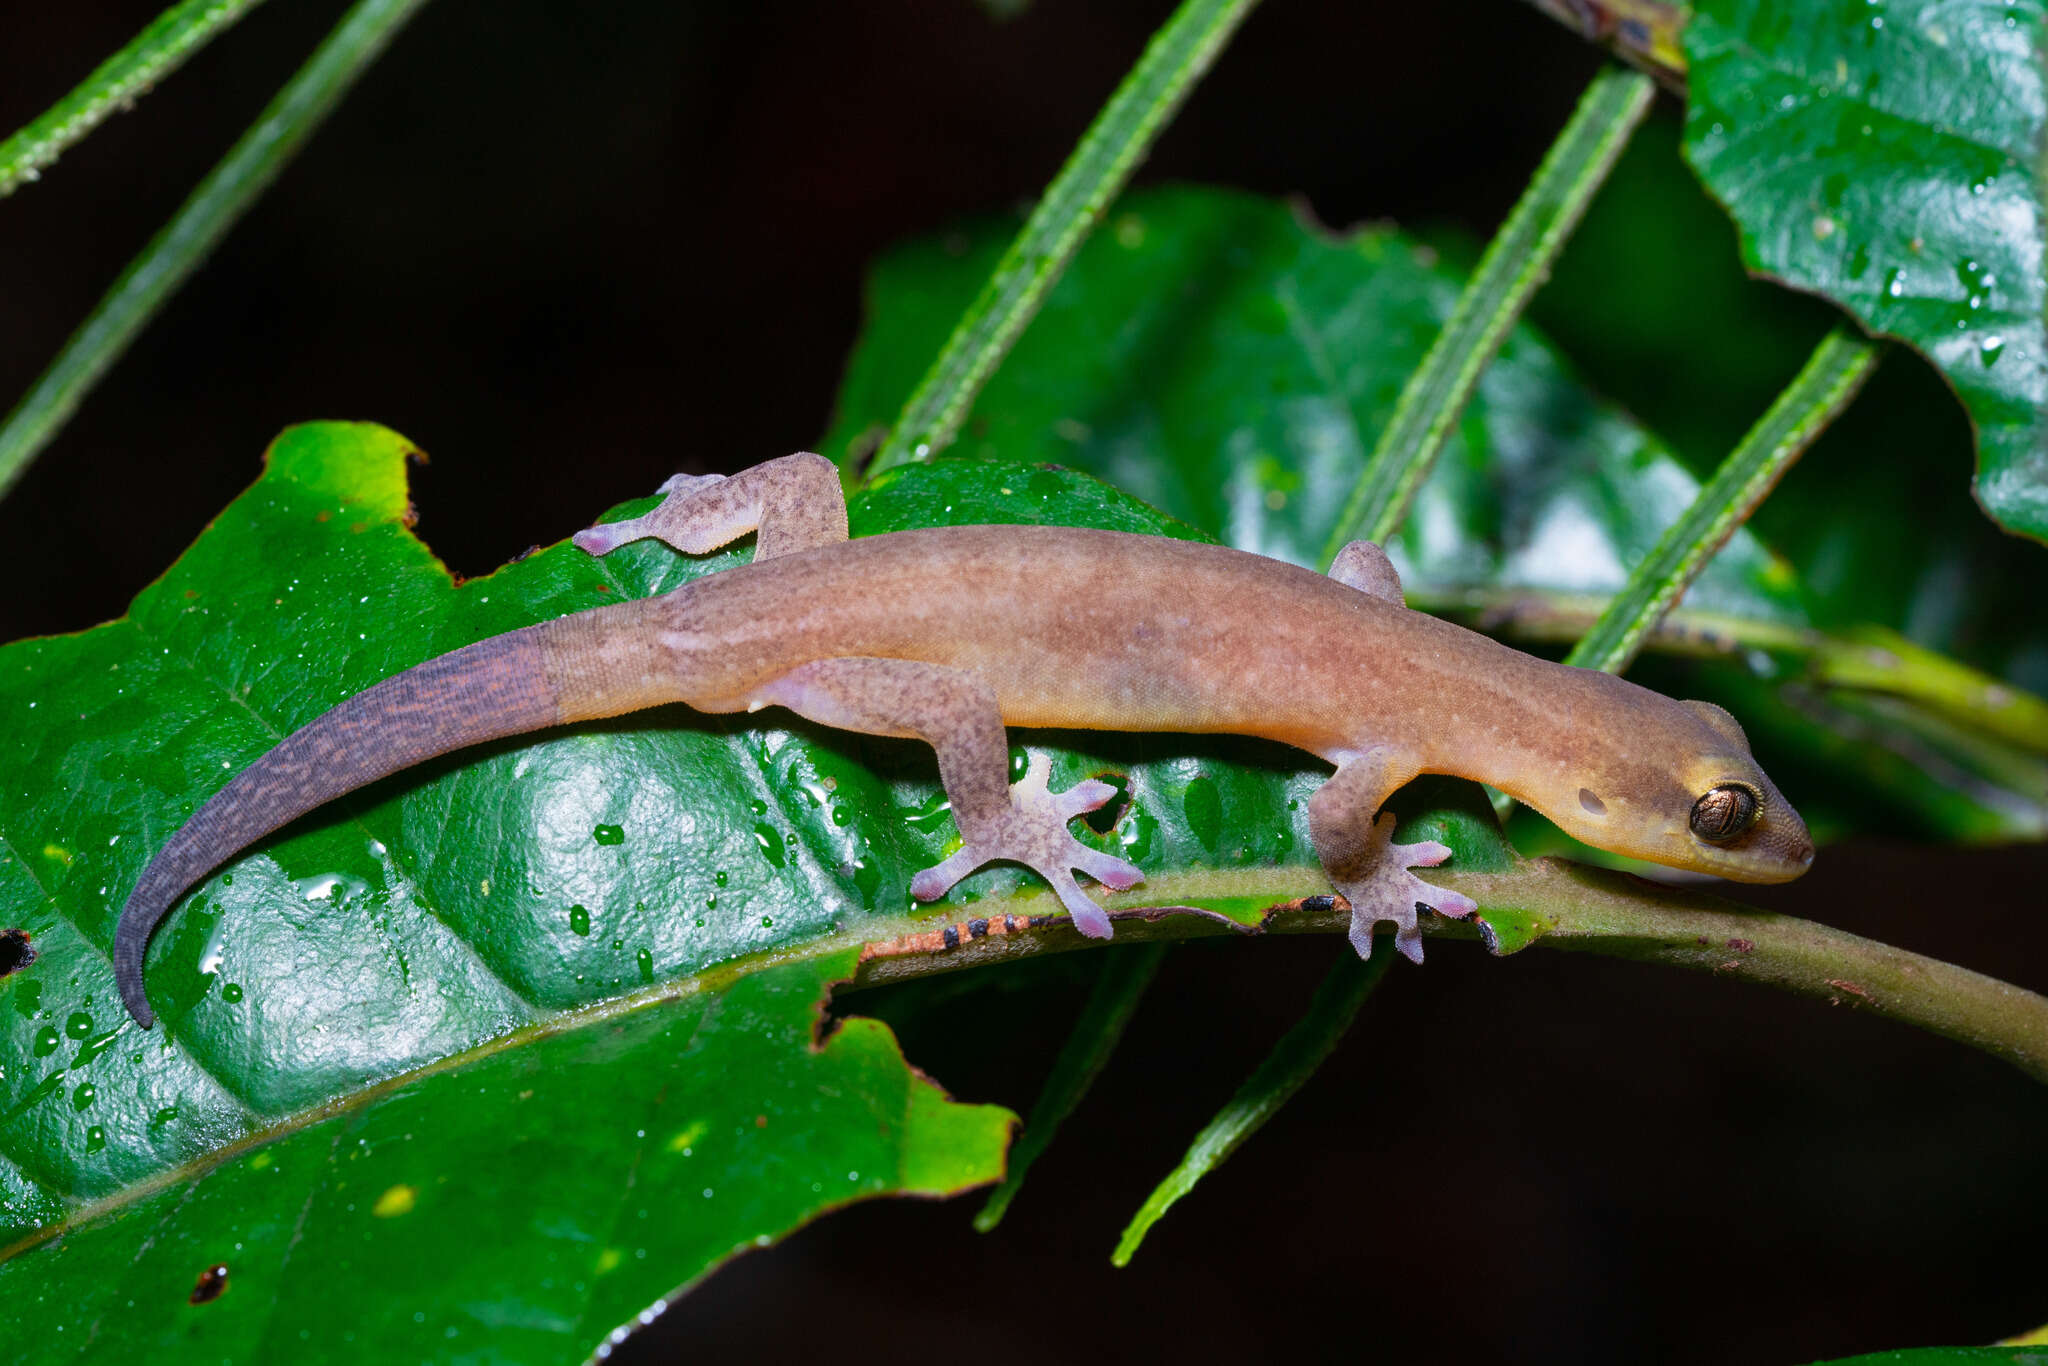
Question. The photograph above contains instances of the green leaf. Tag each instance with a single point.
(1232, 364)
(526, 1201)
(161, 48)
(1886, 156)
(1227, 362)
(479, 905)
(635, 921)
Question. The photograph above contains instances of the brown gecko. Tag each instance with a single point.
(953, 634)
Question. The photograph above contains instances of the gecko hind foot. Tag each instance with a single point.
(1391, 892)
(1034, 833)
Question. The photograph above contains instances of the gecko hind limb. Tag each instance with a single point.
(1034, 833)
(1391, 892)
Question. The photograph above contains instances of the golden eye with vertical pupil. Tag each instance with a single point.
(1726, 811)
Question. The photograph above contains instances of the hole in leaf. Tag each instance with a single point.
(211, 1285)
(1103, 818)
(16, 952)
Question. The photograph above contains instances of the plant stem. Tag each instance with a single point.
(1516, 262)
(1179, 54)
(1291, 1063)
(1559, 905)
(1539, 901)
(200, 223)
(1872, 659)
(115, 84)
(1125, 976)
(1830, 378)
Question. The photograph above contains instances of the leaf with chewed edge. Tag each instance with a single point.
(1887, 155)
(533, 1199)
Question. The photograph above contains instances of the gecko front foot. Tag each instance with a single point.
(1391, 892)
(1034, 832)
(669, 520)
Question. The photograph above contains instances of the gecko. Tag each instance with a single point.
(951, 635)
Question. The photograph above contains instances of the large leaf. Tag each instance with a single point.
(442, 936)
(1226, 361)
(1887, 156)
(481, 1044)
(523, 1203)
(1232, 364)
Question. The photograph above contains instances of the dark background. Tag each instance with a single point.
(570, 249)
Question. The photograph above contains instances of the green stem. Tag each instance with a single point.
(1125, 976)
(1516, 262)
(1538, 901)
(116, 84)
(1291, 1063)
(1179, 54)
(206, 216)
(1871, 659)
(1830, 378)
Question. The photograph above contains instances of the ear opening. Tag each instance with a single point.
(1720, 720)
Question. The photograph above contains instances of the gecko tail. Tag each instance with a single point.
(496, 687)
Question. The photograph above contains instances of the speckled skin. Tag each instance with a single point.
(952, 634)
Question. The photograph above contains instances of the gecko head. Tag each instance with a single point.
(1683, 790)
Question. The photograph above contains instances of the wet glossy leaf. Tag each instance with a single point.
(1222, 359)
(524, 1203)
(1232, 364)
(1886, 155)
(442, 939)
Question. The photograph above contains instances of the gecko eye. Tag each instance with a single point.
(1726, 811)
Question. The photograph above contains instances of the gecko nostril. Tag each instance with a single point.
(1594, 806)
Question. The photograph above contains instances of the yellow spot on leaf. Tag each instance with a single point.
(57, 852)
(394, 1202)
(608, 1260)
(690, 1137)
(260, 1161)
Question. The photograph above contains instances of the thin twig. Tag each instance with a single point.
(1830, 378)
(161, 48)
(1285, 1070)
(1099, 1028)
(1179, 54)
(1517, 261)
(205, 218)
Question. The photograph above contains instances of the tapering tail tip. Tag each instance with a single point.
(130, 940)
